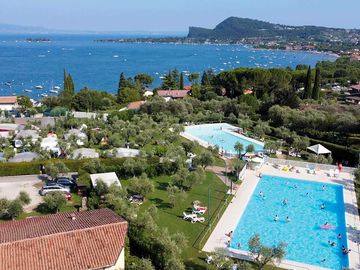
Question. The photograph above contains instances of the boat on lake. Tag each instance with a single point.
(39, 87)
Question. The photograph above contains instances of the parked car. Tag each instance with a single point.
(65, 181)
(53, 188)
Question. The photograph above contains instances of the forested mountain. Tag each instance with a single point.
(238, 28)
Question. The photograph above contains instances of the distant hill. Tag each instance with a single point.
(238, 28)
(15, 29)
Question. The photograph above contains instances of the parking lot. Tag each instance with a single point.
(10, 186)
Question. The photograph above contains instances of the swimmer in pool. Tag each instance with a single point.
(285, 202)
(323, 188)
(276, 218)
(326, 223)
(339, 236)
(287, 219)
(322, 206)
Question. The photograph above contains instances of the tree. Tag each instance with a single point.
(142, 264)
(8, 152)
(144, 80)
(264, 255)
(175, 195)
(128, 94)
(15, 208)
(24, 198)
(54, 201)
(316, 89)
(181, 83)
(193, 77)
(307, 86)
(24, 103)
(142, 185)
(67, 94)
(357, 175)
(250, 148)
(239, 148)
(205, 159)
(54, 169)
(237, 165)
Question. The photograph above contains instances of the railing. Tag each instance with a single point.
(304, 164)
(242, 173)
(214, 220)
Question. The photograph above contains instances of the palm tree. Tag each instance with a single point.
(239, 148)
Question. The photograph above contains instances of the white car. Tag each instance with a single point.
(53, 188)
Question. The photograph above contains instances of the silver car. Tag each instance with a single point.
(53, 188)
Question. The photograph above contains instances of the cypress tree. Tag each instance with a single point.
(307, 88)
(181, 84)
(204, 79)
(316, 89)
(71, 86)
(65, 80)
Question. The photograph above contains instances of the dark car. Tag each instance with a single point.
(65, 181)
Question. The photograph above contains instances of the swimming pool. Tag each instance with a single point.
(307, 242)
(223, 136)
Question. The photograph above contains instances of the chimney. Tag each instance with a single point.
(72, 216)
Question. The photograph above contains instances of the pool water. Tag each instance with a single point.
(307, 242)
(222, 136)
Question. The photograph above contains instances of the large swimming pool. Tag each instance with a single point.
(223, 136)
(307, 242)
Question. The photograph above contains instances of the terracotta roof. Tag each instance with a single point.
(173, 93)
(356, 87)
(93, 240)
(135, 105)
(8, 100)
(187, 87)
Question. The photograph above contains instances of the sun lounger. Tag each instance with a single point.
(336, 172)
(196, 219)
(331, 173)
(189, 216)
(198, 211)
(209, 259)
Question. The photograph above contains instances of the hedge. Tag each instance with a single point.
(33, 167)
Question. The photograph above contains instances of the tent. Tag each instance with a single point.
(319, 149)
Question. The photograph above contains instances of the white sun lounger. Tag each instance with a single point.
(196, 219)
(336, 172)
(331, 173)
(189, 216)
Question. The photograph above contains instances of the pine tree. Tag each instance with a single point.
(316, 89)
(181, 84)
(65, 80)
(307, 88)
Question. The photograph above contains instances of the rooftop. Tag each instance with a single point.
(108, 178)
(82, 240)
(8, 99)
(173, 93)
(135, 105)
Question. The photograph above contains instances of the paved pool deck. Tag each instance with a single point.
(229, 220)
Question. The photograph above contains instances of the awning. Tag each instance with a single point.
(319, 149)
(257, 160)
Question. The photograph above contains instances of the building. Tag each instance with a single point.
(108, 178)
(78, 241)
(51, 144)
(8, 103)
(353, 100)
(85, 153)
(136, 105)
(7, 130)
(78, 134)
(31, 134)
(24, 157)
(355, 89)
(173, 94)
(44, 121)
(126, 152)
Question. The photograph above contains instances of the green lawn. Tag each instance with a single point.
(172, 218)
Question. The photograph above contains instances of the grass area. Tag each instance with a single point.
(172, 218)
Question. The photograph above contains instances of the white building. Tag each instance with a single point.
(126, 152)
(81, 136)
(8, 103)
(108, 178)
(31, 134)
(50, 143)
(85, 153)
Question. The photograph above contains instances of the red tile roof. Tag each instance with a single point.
(94, 239)
(135, 105)
(173, 93)
(8, 99)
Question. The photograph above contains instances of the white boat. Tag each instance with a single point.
(57, 87)
(115, 56)
(28, 90)
(54, 91)
(39, 87)
(44, 95)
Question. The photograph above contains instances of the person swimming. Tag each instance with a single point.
(322, 206)
(276, 218)
(285, 202)
(326, 223)
(287, 219)
(339, 236)
(331, 243)
(323, 188)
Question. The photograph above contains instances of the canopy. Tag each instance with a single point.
(257, 160)
(319, 149)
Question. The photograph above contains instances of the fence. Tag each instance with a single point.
(303, 164)
(214, 220)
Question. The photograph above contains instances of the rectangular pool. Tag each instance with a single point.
(223, 136)
(307, 241)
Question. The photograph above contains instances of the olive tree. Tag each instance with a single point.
(54, 201)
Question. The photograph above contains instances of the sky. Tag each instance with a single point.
(173, 15)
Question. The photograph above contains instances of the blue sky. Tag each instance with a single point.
(173, 15)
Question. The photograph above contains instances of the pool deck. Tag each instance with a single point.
(233, 213)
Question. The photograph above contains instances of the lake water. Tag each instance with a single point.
(98, 65)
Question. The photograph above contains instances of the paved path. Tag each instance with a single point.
(221, 173)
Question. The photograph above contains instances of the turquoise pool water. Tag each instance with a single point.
(307, 242)
(222, 136)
